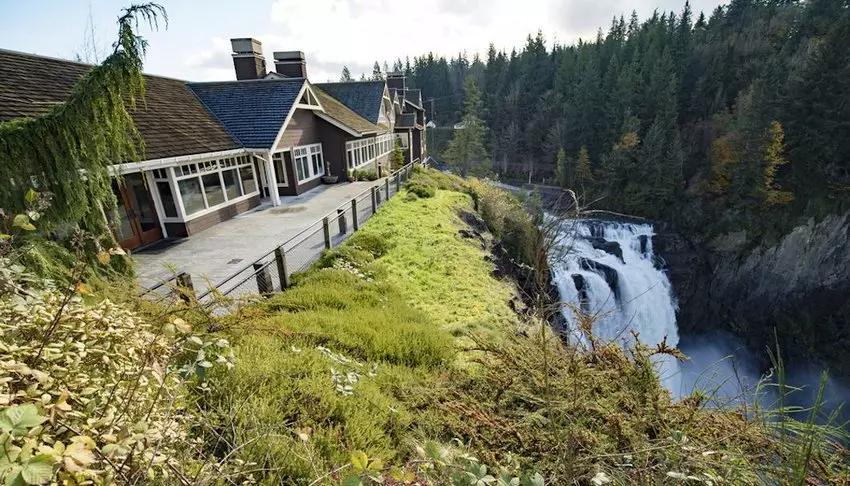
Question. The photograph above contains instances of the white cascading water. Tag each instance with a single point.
(626, 295)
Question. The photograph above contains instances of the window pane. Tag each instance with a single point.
(279, 169)
(231, 184)
(213, 189)
(190, 192)
(167, 199)
(249, 184)
(299, 165)
(317, 163)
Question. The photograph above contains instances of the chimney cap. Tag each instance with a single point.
(246, 45)
(288, 56)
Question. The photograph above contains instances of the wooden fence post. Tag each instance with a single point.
(185, 288)
(343, 224)
(327, 229)
(280, 257)
(387, 186)
(264, 279)
(374, 200)
(398, 181)
(355, 218)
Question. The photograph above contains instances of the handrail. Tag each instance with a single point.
(303, 235)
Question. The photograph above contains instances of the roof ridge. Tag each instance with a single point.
(244, 81)
(78, 63)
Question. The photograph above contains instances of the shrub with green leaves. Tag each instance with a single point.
(420, 188)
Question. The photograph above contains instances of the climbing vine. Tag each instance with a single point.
(68, 151)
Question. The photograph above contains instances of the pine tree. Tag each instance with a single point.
(346, 75)
(466, 150)
(377, 75)
(561, 168)
(774, 156)
(584, 174)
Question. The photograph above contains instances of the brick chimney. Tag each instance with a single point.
(396, 80)
(248, 58)
(290, 64)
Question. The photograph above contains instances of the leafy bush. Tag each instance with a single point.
(366, 175)
(420, 188)
(349, 254)
(508, 220)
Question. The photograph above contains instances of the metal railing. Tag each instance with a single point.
(273, 271)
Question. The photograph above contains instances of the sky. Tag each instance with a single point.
(332, 33)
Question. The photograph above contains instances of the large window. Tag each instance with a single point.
(309, 163)
(362, 152)
(208, 184)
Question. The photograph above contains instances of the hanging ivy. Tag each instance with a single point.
(69, 150)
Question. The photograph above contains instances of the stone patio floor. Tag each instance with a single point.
(222, 250)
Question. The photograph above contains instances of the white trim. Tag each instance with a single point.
(274, 193)
(309, 149)
(288, 118)
(157, 203)
(131, 167)
(285, 182)
(342, 126)
(223, 205)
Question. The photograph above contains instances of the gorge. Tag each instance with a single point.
(656, 286)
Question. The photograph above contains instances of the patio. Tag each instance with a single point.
(224, 249)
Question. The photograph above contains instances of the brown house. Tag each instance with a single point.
(410, 123)
(214, 150)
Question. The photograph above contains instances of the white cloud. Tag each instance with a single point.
(356, 33)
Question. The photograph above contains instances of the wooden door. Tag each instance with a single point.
(137, 223)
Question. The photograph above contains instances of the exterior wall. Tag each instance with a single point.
(303, 129)
(201, 223)
(416, 144)
(333, 148)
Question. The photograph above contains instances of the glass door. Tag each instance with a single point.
(137, 223)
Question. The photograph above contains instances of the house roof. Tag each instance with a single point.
(363, 97)
(252, 111)
(414, 97)
(342, 114)
(171, 120)
(406, 120)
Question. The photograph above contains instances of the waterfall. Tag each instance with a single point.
(607, 269)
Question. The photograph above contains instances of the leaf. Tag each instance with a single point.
(352, 481)
(182, 325)
(103, 257)
(38, 470)
(677, 475)
(31, 196)
(4, 237)
(19, 419)
(535, 480)
(205, 364)
(14, 478)
(376, 465)
(359, 461)
(83, 289)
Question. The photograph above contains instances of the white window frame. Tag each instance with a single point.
(365, 151)
(199, 169)
(280, 153)
(305, 153)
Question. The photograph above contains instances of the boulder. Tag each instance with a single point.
(609, 274)
(610, 247)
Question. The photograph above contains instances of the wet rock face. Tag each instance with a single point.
(609, 274)
(799, 287)
(610, 247)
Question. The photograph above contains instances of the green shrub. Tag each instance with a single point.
(354, 256)
(366, 175)
(420, 188)
(508, 220)
(377, 244)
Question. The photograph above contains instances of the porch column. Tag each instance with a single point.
(272, 179)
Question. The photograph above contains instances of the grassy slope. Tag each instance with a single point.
(372, 354)
(405, 317)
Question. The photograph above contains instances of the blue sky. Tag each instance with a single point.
(332, 33)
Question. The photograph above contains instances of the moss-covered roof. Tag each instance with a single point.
(342, 114)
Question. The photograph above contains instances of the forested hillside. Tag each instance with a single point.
(702, 120)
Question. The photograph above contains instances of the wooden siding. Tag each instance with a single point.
(302, 130)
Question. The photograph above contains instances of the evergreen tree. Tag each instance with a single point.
(346, 75)
(466, 150)
(561, 168)
(584, 173)
(774, 156)
(377, 75)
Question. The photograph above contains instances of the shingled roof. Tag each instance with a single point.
(363, 97)
(253, 111)
(172, 121)
(342, 114)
